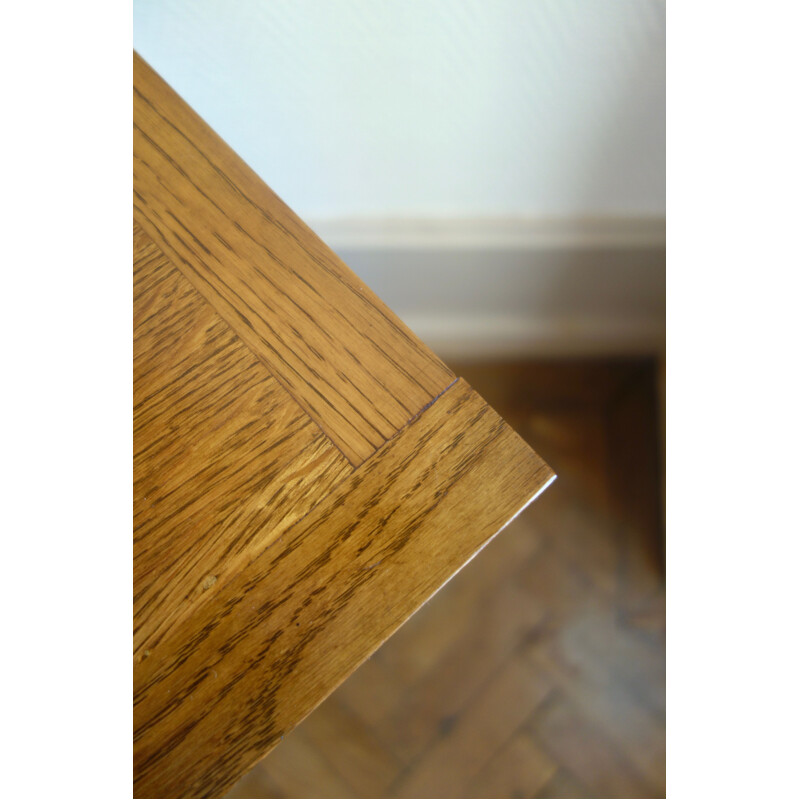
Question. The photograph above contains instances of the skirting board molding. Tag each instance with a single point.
(498, 288)
(466, 338)
(503, 233)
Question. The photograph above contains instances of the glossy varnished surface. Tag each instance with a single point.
(306, 473)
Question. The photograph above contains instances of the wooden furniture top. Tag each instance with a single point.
(306, 472)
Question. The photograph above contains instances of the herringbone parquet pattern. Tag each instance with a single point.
(538, 671)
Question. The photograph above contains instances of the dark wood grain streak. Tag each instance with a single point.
(224, 459)
(342, 354)
(221, 690)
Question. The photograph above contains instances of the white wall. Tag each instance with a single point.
(428, 107)
(494, 169)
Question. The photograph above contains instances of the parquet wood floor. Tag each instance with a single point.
(538, 671)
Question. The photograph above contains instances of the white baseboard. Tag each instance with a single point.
(496, 233)
(515, 287)
(466, 338)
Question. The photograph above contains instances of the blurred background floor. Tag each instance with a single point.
(538, 670)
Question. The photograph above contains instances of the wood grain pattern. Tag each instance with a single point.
(306, 472)
(281, 636)
(345, 357)
(224, 459)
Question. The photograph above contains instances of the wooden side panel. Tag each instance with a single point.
(345, 357)
(224, 459)
(220, 691)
